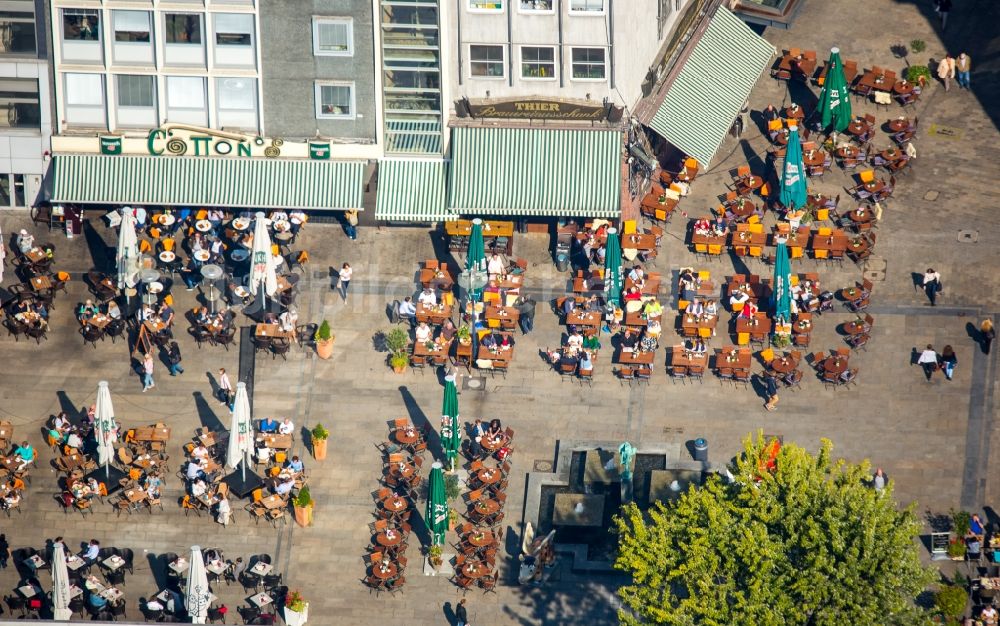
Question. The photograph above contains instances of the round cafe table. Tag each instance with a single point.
(795, 112)
(167, 256)
(389, 573)
(383, 539)
(874, 186)
(846, 294)
(862, 216)
(484, 538)
(814, 157)
(394, 504)
(203, 226)
(488, 476)
(167, 219)
(405, 471)
(241, 223)
(755, 182)
(899, 124)
(784, 364)
(848, 152)
(202, 255)
(892, 154)
(491, 444)
(854, 328)
(486, 507)
(859, 245)
(474, 569)
(405, 437)
(743, 207)
(835, 365)
(857, 128)
(802, 327)
(903, 87)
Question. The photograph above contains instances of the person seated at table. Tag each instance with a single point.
(687, 279)
(153, 606)
(113, 311)
(54, 435)
(91, 552)
(278, 216)
(738, 297)
(284, 487)
(637, 275)
(633, 294)
(495, 429)
(701, 226)
(12, 499)
(194, 471)
(448, 330)
(152, 491)
(652, 309)
(770, 113)
(199, 488)
(749, 310)
(976, 527)
(25, 241)
(600, 254)
(263, 454)
(698, 346)
(653, 328)
(427, 297)
(711, 308)
(73, 440)
(197, 242)
(496, 266)
(144, 313)
(286, 427)
(648, 342)
(569, 305)
(268, 426)
(96, 600)
(506, 342)
(489, 341)
(199, 452)
(630, 339)
(25, 453)
(695, 307)
(86, 311)
(406, 310)
(202, 317)
(294, 464)
(974, 547)
(422, 333)
(80, 490)
(62, 422)
(585, 364)
(574, 341)
(289, 319)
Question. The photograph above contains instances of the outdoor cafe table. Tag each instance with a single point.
(433, 314)
(492, 444)
(216, 567)
(272, 330)
(99, 321)
(475, 569)
(899, 124)
(38, 283)
(497, 354)
(260, 600)
(681, 357)
(35, 255)
(644, 242)
(34, 561)
(814, 158)
(746, 239)
(29, 591)
(836, 241)
(784, 364)
(835, 364)
(819, 201)
(733, 357)
(797, 239)
(753, 182)
(261, 568)
(861, 215)
(480, 538)
(283, 283)
(273, 501)
(798, 66)
(691, 324)
(858, 127)
(276, 441)
(636, 318)
(759, 325)
(884, 81)
(155, 325)
(114, 561)
(857, 327)
(394, 504)
(152, 433)
(891, 154)
(210, 438)
(436, 349)
(73, 562)
(859, 245)
(383, 539)
(635, 357)
(463, 228)
(849, 151)
(795, 112)
(439, 278)
(699, 239)
(851, 294)
(402, 469)
(178, 565)
(486, 506)
(742, 207)
(384, 572)
(803, 325)
(874, 186)
(406, 436)
(489, 475)
(582, 317)
(502, 313)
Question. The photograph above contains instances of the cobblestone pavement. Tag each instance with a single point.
(934, 439)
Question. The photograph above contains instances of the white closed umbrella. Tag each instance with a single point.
(262, 273)
(60, 584)
(128, 252)
(240, 430)
(104, 425)
(198, 596)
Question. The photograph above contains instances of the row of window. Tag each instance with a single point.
(230, 29)
(17, 27)
(573, 7)
(537, 62)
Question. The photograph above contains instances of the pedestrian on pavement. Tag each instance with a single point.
(932, 285)
(879, 479)
(963, 64)
(526, 309)
(943, 7)
(946, 70)
(147, 372)
(948, 361)
(772, 392)
(351, 223)
(986, 335)
(225, 387)
(174, 358)
(929, 361)
(461, 616)
(4, 551)
(345, 279)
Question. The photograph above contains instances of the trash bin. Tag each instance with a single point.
(562, 262)
(701, 450)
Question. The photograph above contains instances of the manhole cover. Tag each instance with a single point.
(945, 132)
(875, 275)
(968, 236)
(477, 383)
(932, 195)
(542, 466)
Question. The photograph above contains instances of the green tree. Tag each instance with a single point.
(809, 542)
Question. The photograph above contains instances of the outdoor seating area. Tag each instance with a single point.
(29, 302)
(16, 463)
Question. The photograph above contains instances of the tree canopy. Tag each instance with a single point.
(801, 540)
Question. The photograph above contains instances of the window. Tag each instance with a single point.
(183, 28)
(185, 92)
(486, 5)
(85, 90)
(334, 100)
(131, 26)
(4, 190)
(486, 61)
(333, 36)
(18, 189)
(19, 103)
(588, 64)
(538, 62)
(536, 6)
(135, 91)
(81, 25)
(233, 29)
(17, 25)
(586, 6)
(236, 94)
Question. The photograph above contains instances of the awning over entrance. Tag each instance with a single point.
(204, 181)
(535, 172)
(411, 190)
(714, 82)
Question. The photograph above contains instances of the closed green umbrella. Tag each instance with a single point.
(834, 100)
(613, 278)
(793, 178)
(781, 295)
(436, 515)
(451, 436)
(475, 259)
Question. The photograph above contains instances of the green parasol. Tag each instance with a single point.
(451, 435)
(436, 515)
(793, 179)
(613, 279)
(475, 259)
(834, 100)
(781, 295)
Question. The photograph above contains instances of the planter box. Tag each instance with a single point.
(296, 618)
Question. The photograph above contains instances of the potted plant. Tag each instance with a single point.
(956, 549)
(399, 361)
(950, 600)
(303, 505)
(464, 334)
(319, 435)
(296, 609)
(324, 340)
(434, 556)
(452, 519)
(960, 521)
(919, 74)
(396, 342)
(452, 489)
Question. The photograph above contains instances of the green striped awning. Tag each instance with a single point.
(715, 81)
(205, 181)
(411, 190)
(413, 137)
(535, 172)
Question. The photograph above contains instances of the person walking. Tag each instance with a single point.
(946, 70)
(225, 387)
(147, 372)
(4, 551)
(351, 224)
(526, 310)
(963, 64)
(174, 358)
(929, 361)
(346, 273)
(943, 7)
(879, 479)
(461, 615)
(932, 285)
(986, 335)
(948, 361)
(772, 392)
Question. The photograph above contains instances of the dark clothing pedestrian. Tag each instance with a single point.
(174, 358)
(942, 8)
(526, 309)
(986, 335)
(932, 285)
(461, 616)
(4, 551)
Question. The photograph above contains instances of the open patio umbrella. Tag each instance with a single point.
(451, 436)
(128, 252)
(793, 179)
(240, 430)
(60, 584)
(198, 596)
(104, 425)
(834, 100)
(436, 515)
(263, 279)
(613, 278)
(781, 295)
(475, 258)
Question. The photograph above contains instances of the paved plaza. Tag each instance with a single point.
(936, 440)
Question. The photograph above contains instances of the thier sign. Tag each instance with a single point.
(541, 110)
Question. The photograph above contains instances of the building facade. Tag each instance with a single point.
(25, 115)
